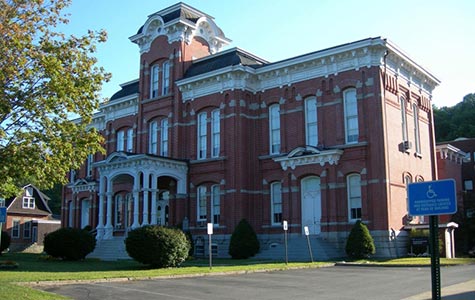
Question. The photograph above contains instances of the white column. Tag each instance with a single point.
(108, 228)
(145, 191)
(100, 222)
(154, 190)
(136, 191)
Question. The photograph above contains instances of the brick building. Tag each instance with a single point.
(208, 136)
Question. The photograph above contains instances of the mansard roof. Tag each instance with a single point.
(127, 89)
(178, 12)
(231, 57)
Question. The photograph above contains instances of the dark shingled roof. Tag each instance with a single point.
(219, 61)
(126, 90)
(180, 13)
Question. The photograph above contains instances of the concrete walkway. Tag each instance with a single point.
(461, 291)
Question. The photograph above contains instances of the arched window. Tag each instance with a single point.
(215, 133)
(274, 128)
(353, 183)
(202, 133)
(311, 127)
(276, 202)
(166, 78)
(153, 137)
(154, 81)
(164, 137)
(351, 116)
(417, 135)
(215, 204)
(201, 203)
(403, 119)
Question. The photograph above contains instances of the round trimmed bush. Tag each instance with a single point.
(244, 242)
(69, 243)
(360, 243)
(157, 246)
(5, 242)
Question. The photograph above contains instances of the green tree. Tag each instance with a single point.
(45, 78)
(244, 242)
(456, 121)
(360, 243)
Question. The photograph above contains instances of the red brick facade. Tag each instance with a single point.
(361, 144)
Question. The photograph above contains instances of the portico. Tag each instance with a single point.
(130, 187)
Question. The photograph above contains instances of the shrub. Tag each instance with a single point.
(5, 242)
(244, 242)
(69, 243)
(360, 243)
(157, 246)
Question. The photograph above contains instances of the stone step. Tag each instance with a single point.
(112, 249)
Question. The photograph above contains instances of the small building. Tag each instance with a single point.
(29, 218)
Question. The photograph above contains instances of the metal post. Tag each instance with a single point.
(435, 257)
(210, 253)
(285, 227)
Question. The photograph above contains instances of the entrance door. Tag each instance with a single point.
(311, 204)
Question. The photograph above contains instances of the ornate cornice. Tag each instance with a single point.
(307, 156)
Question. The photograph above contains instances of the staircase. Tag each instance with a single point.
(113, 249)
(297, 249)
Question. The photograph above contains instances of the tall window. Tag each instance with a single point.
(351, 115)
(153, 137)
(311, 128)
(16, 229)
(215, 132)
(90, 160)
(118, 211)
(154, 81)
(403, 119)
(354, 196)
(202, 135)
(120, 140)
(417, 135)
(274, 126)
(164, 137)
(201, 203)
(130, 140)
(70, 213)
(27, 230)
(166, 78)
(215, 203)
(276, 202)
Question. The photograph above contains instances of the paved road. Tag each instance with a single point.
(341, 282)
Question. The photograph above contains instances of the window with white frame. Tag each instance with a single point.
(153, 137)
(118, 212)
(215, 203)
(154, 81)
(70, 213)
(403, 118)
(351, 115)
(120, 140)
(274, 128)
(202, 135)
(354, 196)
(311, 127)
(201, 203)
(15, 229)
(27, 230)
(215, 133)
(90, 161)
(165, 78)
(28, 202)
(130, 140)
(276, 202)
(417, 135)
(164, 137)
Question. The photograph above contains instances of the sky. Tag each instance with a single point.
(438, 34)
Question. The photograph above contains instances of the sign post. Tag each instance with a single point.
(433, 198)
(3, 217)
(210, 250)
(286, 227)
(307, 233)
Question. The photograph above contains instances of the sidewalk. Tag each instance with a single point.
(461, 291)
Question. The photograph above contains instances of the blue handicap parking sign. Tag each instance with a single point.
(432, 198)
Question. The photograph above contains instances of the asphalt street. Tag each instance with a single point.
(339, 282)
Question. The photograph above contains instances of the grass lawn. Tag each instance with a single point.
(36, 268)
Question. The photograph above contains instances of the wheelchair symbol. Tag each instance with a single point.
(430, 192)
